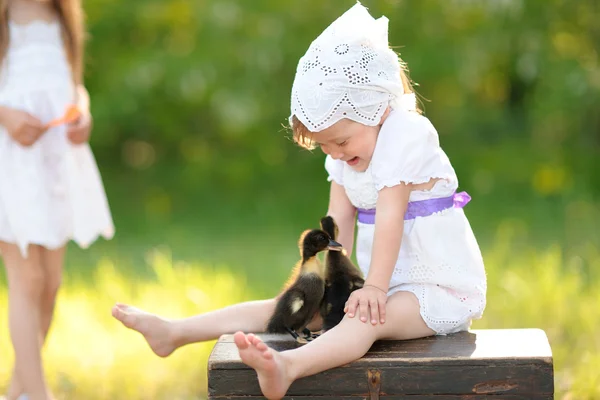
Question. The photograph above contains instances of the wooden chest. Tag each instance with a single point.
(491, 364)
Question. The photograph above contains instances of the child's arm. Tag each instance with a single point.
(83, 99)
(79, 131)
(389, 228)
(344, 214)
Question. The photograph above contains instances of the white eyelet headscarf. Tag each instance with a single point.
(349, 71)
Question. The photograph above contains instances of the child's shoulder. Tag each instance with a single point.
(406, 129)
(407, 149)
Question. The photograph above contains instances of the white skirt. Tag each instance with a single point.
(441, 264)
(50, 192)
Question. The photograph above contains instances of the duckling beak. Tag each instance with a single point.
(335, 246)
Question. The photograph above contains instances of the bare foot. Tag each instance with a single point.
(269, 365)
(156, 331)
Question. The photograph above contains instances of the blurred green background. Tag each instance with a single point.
(209, 193)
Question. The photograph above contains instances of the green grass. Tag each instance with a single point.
(542, 289)
(91, 356)
(175, 257)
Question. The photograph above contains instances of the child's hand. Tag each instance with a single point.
(79, 131)
(23, 127)
(369, 300)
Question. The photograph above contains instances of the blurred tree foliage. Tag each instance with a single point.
(511, 85)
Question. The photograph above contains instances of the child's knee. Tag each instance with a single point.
(26, 275)
(30, 281)
(51, 286)
(53, 281)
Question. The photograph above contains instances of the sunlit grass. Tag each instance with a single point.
(544, 289)
(91, 356)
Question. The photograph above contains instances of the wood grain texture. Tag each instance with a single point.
(515, 363)
(402, 397)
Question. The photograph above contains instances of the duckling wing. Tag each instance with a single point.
(298, 304)
(309, 289)
(288, 305)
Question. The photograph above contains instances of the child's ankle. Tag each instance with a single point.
(292, 370)
(176, 334)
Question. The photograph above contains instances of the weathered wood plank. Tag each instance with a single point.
(401, 397)
(528, 345)
(505, 363)
(410, 380)
(374, 360)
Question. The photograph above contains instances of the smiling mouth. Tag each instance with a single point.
(353, 161)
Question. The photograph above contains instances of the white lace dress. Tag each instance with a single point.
(51, 192)
(439, 259)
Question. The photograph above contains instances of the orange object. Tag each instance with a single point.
(69, 116)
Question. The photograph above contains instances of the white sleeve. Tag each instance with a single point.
(408, 151)
(335, 169)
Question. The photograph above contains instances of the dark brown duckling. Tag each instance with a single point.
(342, 277)
(302, 297)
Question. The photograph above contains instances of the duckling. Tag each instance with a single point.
(342, 277)
(303, 294)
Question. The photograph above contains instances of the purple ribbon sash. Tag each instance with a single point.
(421, 208)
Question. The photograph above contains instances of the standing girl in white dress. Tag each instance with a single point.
(50, 188)
(423, 267)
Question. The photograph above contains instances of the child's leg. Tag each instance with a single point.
(25, 287)
(52, 264)
(53, 261)
(346, 342)
(164, 336)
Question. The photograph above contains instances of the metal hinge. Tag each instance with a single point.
(374, 377)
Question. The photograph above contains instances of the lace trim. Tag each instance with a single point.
(34, 25)
(391, 182)
(336, 179)
(444, 326)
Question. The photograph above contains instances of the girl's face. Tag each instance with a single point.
(349, 141)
